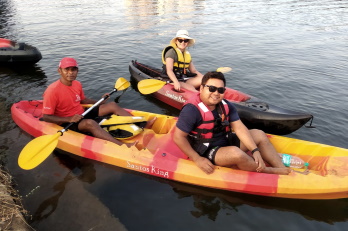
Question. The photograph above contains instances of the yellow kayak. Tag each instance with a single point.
(156, 154)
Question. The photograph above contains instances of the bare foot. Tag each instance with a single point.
(279, 171)
(305, 172)
(150, 122)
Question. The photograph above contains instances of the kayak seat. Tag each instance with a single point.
(21, 46)
(163, 125)
(121, 134)
(154, 73)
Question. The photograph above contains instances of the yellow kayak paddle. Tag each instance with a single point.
(224, 69)
(37, 150)
(148, 86)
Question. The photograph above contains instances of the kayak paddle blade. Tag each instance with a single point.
(37, 150)
(118, 120)
(224, 69)
(121, 84)
(148, 86)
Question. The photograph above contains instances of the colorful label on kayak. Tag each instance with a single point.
(175, 97)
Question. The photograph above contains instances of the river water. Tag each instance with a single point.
(290, 53)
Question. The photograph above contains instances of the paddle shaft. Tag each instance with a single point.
(88, 110)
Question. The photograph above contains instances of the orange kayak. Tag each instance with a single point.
(156, 154)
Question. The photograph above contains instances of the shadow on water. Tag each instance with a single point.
(65, 197)
(26, 72)
(82, 170)
(48, 206)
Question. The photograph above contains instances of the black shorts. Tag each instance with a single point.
(210, 154)
(93, 114)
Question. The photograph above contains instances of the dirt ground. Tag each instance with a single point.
(12, 212)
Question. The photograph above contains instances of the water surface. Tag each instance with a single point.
(290, 53)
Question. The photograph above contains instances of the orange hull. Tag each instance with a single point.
(156, 154)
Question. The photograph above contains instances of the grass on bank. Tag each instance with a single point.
(11, 206)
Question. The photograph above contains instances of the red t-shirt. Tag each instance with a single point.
(61, 100)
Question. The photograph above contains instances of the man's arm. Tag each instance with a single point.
(180, 138)
(170, 73)
(243, 134)
(92, 101)
(193, 69)
(245, 137)
(88, 101)
(60, 120)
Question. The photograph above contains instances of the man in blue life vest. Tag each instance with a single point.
(203, 133)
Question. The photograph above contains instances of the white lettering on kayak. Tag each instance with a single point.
(157, 171)
(178, 98)
(151, 169)
(138, 167)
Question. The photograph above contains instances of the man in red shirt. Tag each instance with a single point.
(62, 103)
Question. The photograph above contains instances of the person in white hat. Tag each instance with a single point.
(177, 62)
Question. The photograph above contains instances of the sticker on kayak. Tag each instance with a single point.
(178, 98)
(148, 169)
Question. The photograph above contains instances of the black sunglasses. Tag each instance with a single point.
(183, 40)
(221, 90)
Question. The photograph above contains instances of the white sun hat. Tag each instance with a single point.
(184, 34)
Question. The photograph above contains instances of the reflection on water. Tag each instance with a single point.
(211, 203)
(215, 204)
(146, 14)
(32, 72)
(81, 168)
(17, 83)
(49, 205)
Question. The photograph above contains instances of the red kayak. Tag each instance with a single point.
(254, 113)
